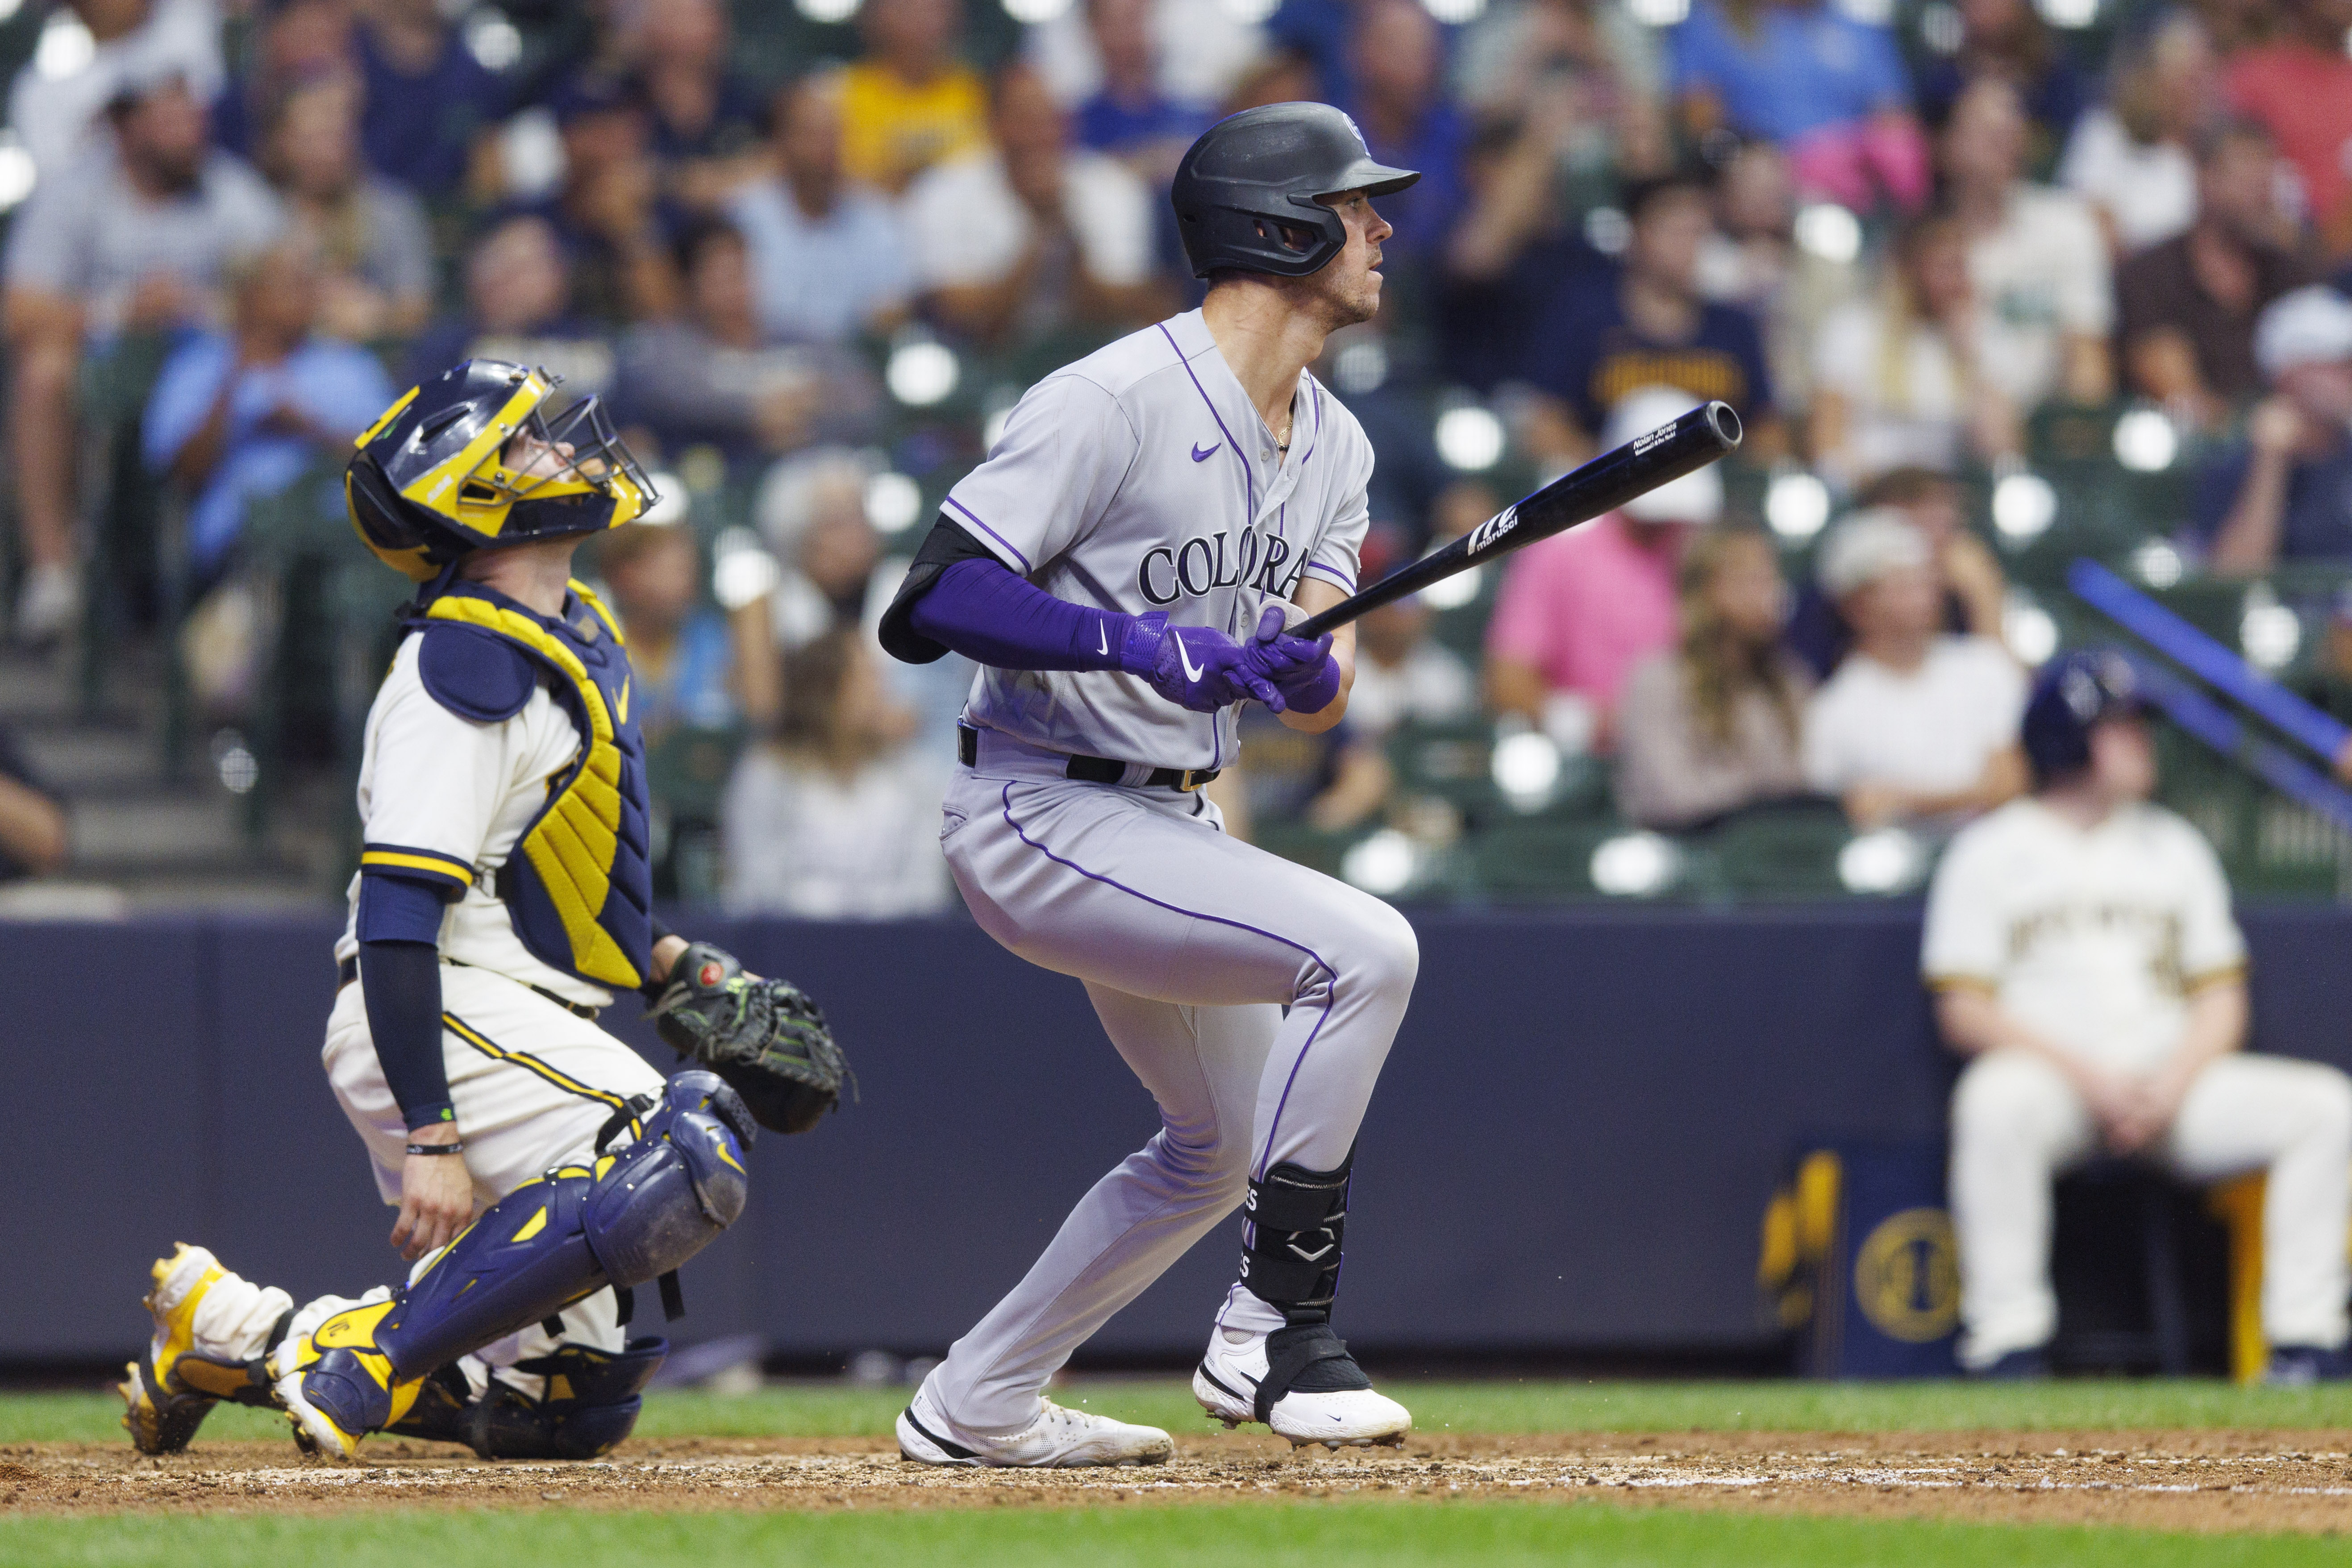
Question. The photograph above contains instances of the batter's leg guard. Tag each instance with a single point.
(632, 1218)
(212, 1335)
(1297, 1220)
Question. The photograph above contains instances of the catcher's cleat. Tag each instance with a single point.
(339, 1388)
(167, 1395)
(1057, 1439)
(1302, 1382)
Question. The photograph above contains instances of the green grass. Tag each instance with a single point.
(1320, 1535)
(1498, 1407)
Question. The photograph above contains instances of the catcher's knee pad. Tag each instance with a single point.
(590, 1403)
(1297, 1218)
(633, 1216)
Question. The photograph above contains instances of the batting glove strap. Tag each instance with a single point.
(1138, 651)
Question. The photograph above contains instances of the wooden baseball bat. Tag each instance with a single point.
(1692, 442)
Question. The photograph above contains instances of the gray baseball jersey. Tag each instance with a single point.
(1142, 478)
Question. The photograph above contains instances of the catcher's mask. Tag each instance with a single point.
(471, 460)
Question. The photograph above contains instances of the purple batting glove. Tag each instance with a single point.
(1197, 667)
(1301, 669)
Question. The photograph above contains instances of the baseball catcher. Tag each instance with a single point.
(541, 1169)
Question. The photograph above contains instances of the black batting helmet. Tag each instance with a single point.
(2072, 694)
(1244, 194)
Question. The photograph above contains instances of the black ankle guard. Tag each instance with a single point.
(1309, 1358)
(1296, 1218)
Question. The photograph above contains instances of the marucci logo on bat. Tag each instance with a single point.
(1493, 529)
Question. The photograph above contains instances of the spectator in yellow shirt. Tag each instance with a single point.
(910, 102)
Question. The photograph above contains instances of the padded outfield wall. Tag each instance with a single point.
(1576, 1134)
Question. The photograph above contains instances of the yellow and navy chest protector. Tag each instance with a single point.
(579, 881)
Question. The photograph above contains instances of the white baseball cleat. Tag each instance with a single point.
(1058, 1438)
(1318, 1393)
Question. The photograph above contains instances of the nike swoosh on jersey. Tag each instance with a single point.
(1185, 656)
(1202, 454)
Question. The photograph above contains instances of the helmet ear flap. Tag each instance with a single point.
(385, 523)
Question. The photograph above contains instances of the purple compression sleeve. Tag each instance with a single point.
(984, 611)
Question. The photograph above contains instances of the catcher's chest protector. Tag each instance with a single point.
(579, 882)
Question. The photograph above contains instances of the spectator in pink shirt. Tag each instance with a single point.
(1577, 612)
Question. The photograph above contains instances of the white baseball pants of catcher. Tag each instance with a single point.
(2017, 1122)
(1255, 998)
(532, 1084)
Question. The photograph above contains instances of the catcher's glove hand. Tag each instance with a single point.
(765, 1037)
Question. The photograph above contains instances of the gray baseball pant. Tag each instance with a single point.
(1255, 998)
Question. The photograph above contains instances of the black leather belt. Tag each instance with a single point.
(1097, 770)
(348, 970)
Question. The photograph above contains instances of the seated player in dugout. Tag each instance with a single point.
(2081, 948)
(1126, 567)
(541, 1167)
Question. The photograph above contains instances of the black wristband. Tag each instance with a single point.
(436, 1148)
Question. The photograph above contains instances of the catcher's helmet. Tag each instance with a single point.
(2072, 694)
(1244, 194)
(431, 480)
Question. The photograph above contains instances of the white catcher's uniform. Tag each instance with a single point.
(531, 1081)
(1255, 998)
(2094, 941)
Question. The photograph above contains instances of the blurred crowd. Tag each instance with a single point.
(810, 253)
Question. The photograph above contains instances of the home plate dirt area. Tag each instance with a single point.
(2207, 1480)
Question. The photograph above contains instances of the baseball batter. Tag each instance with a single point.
(1123, 566)
(2081, 945)
(541, 1167)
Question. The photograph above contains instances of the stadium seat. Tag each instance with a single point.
(1540, 861)
(1778, 852)
(686, 772)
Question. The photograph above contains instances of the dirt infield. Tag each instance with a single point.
(2188, 1480)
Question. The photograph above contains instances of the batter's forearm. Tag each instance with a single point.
(981, 610)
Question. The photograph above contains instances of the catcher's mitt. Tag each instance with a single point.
(765, 1037)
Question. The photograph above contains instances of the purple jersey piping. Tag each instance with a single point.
(1249, 483)
(993, 533)
(1335, 573)
(1331, 996)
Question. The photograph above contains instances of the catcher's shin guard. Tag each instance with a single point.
(635, 1216)
(1297, 1217)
